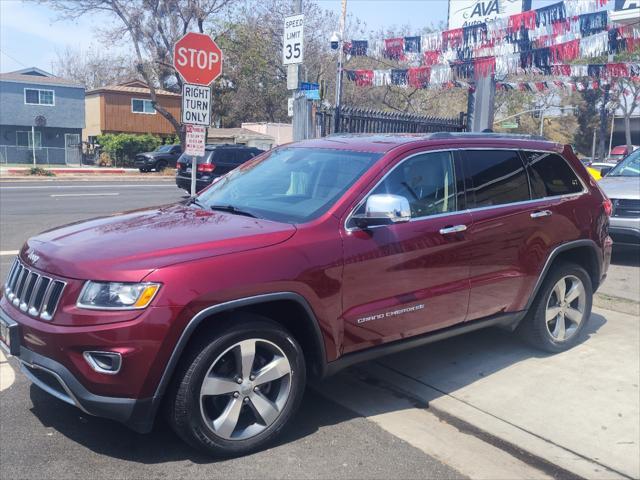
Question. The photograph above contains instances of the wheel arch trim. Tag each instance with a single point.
(203, 314)
(554, 254)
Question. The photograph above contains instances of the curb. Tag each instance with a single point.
(62, 171)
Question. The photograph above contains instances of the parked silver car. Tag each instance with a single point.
(622, 186)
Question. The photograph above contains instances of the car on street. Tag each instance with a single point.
(618, 153)
(165, 156)
(218, 160)
(622, 185)
(298, 263)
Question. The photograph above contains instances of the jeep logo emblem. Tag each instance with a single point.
(33, 257)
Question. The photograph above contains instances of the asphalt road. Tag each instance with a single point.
(43, 437)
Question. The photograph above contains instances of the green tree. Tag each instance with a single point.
(123, 147)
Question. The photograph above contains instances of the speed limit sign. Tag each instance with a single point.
(292, 50)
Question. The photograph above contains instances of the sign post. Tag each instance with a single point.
(198, 60)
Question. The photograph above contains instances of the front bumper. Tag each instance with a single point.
(625, 230)
(55, 379)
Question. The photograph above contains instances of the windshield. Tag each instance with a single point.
(164, 148)
(629, 167)
(291, 185)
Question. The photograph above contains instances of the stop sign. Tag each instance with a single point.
(197, 58)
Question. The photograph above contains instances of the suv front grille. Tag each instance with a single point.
(31, 292)
(626, 208)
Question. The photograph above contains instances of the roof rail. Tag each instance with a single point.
(487, 135)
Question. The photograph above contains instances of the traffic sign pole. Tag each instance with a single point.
(198, 60)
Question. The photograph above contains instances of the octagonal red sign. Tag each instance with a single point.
(197, 58)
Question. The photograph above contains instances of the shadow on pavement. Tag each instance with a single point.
(457, 362)
(162, 445)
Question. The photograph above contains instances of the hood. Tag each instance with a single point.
(621, 187)
(128, 246)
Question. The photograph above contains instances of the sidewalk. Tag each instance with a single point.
(579, 410)
(63, 170)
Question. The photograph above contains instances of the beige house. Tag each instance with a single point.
(241, 136)
(281, 132)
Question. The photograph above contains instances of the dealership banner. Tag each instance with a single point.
(463, 13)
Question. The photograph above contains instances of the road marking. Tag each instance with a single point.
(39, 187)
(84, 195)
(8, 252)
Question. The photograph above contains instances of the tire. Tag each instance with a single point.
(143, 170)
(557, 333)
(205, 419)
(161, 165)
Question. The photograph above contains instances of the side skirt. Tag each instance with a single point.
(506, 320)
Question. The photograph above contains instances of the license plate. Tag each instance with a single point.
(188, 170)
(9, 339)
(5, 338)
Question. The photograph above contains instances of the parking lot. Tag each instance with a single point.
(482, 405)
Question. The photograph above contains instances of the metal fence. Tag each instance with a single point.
(11, 154)
(357, 120)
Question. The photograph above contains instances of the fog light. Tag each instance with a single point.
(104, 362)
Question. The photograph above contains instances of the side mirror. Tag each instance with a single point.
(383, 210)
(605, 170)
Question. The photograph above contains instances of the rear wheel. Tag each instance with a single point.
(238, 390)
(560, 311)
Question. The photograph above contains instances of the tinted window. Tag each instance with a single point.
(427, 181)
(497, 177)
(550, 175)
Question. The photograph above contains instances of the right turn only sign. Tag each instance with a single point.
(196, 105)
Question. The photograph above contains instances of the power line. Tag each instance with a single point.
(13, 58)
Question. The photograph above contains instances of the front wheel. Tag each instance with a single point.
(560, 311)
(239, 389)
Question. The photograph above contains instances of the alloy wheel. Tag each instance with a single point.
(245, 389)
(565, 308)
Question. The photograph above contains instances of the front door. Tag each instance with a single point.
(72, 151)
(409, 278)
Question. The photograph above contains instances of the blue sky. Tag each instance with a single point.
(30, 34)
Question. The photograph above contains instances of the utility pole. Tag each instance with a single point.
(603, 123)
(339, 71)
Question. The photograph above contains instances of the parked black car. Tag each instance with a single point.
(162, 157)
(217, 160)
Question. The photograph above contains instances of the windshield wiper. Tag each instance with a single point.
(195, 201)
(232, 209)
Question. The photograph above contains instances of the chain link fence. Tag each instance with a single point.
(45, 156)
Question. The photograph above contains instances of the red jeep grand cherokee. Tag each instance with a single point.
(305, 260)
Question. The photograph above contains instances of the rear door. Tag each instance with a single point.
(507, 241)
(409, 278)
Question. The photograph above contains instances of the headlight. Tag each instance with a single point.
(117, 296)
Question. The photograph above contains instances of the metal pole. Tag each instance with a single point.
(340, 65)
(613, 120)
(603, 122)
(542, 122)
(593, 147)
(33, 144)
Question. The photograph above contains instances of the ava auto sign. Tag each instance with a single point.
(197, 59)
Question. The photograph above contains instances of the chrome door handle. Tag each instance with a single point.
(454, 229)
(541, 213)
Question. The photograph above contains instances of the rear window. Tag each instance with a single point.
(184, 158)
(497, 177)
(550, 175)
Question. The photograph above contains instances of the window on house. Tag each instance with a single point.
(24, 139)
(36, 96)
(140, 105)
